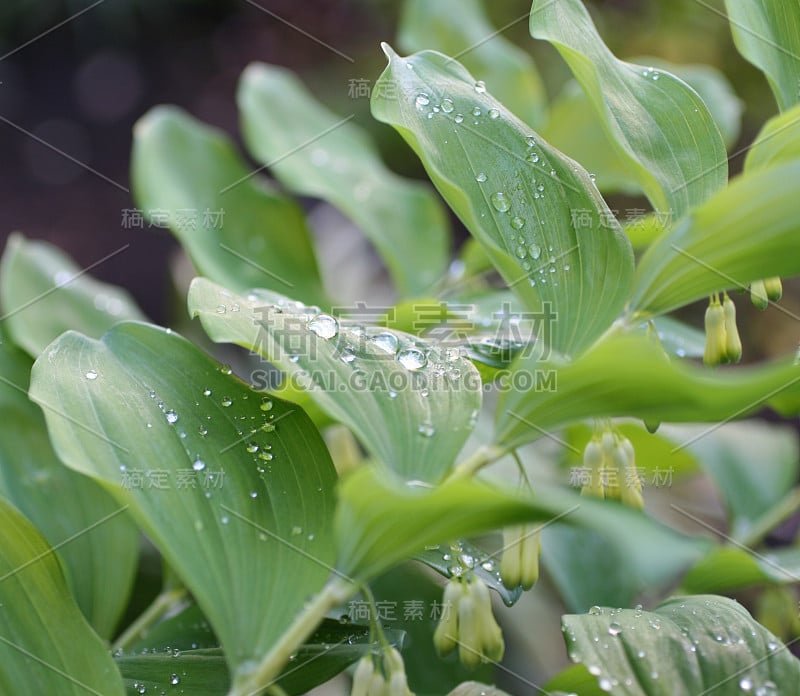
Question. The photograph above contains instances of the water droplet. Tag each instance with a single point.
(614, 629)
(254, 494)
(480, 87)
(387, 342)
(174, 679)
(266, 404)
(447, 105)
(488, 566)
(521, 253)
(252, 448)
(426, 430)
(481, 177)
(494, 113)
(198, 465)
(459, 118)
(206, 392)
(412, 359)
(172, 417)
(595, 611)
(746, 684)
(226, 401)
(533, 158)
(500, 202)
(517, 223)
(422, 100)
(476, 111)
(536, 251)
(605, 684)
(91, 374)
(656, 76)
(392, 394)
(324, 326)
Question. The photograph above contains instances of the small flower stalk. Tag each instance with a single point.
(762, 292)
(468, 623)
(382, 675)
(723, 344)
(610, 463)
(519, 564)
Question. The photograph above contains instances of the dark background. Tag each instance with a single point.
(79, 88)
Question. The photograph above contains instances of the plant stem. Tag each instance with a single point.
(263, 675)
(474, 463)
(160, 606)
(772, 518)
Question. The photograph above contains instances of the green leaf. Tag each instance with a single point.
(476, 689)
(767, 33)
(44, 293)
(658, 124)
(728, 569)
(46, 646)
(700, 644)
(230, 485)
(750, 491)
(460, 28)
(413, 419)
(680, 339)
(314, 152)
(746, 232)
(443, 558)
(378, 524)
(575, 129)
(574, 680)
(235, 227)
(176, 649)
(778, 142)
(87, 526)
(537, 213)
(630, 375)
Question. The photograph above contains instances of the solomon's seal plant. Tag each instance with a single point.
(342, 496)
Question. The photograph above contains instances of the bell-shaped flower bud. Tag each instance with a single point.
(773, 288)
(733, 344)
(716, 350)
(758, 294)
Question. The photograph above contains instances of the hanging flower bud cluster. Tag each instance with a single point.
(467, 623)
(519, 564)
(381, 675)
(723, 344)
(762, 292)
(610, 461)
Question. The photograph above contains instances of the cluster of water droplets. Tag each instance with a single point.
(651, 74)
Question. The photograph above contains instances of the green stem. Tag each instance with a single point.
(772, 518)
(165, 602)
(264, 674)
(481, 457)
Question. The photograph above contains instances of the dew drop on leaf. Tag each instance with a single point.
(172, 417)
(481, 177)
(480, 87)
(91, 374)
(500, 202)
(447, 105)
(387, 342)
(198, 465)
(324, 325)
(412, 359)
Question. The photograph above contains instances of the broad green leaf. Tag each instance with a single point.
(767, 33)
(746, 232)
(443, 558)
(177, 655)
(658, 124)
(714, 89)
(750, 491)
(680, 339)
(728, 569)
(235, 227)
(378, 523)
(412, 404)
(574, 128)
(87, 527)
(778, 142)
(537, 213)
(234, 488)
(314, 152)
(460, 28)
(46, 646)
(630, 375)
(575, 679)
(688, 645)
(43, 293)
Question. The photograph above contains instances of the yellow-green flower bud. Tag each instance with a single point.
(445, 636)
(398, 685)
(733, 344)
(758, 294)
(715, 352)
(362, 677)
(377, 686)
(469, 642)
(511, 560)
(396, 672)
(611, 464)
(774, 288)
(490, 634)
(531, 547)
(593, 461)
